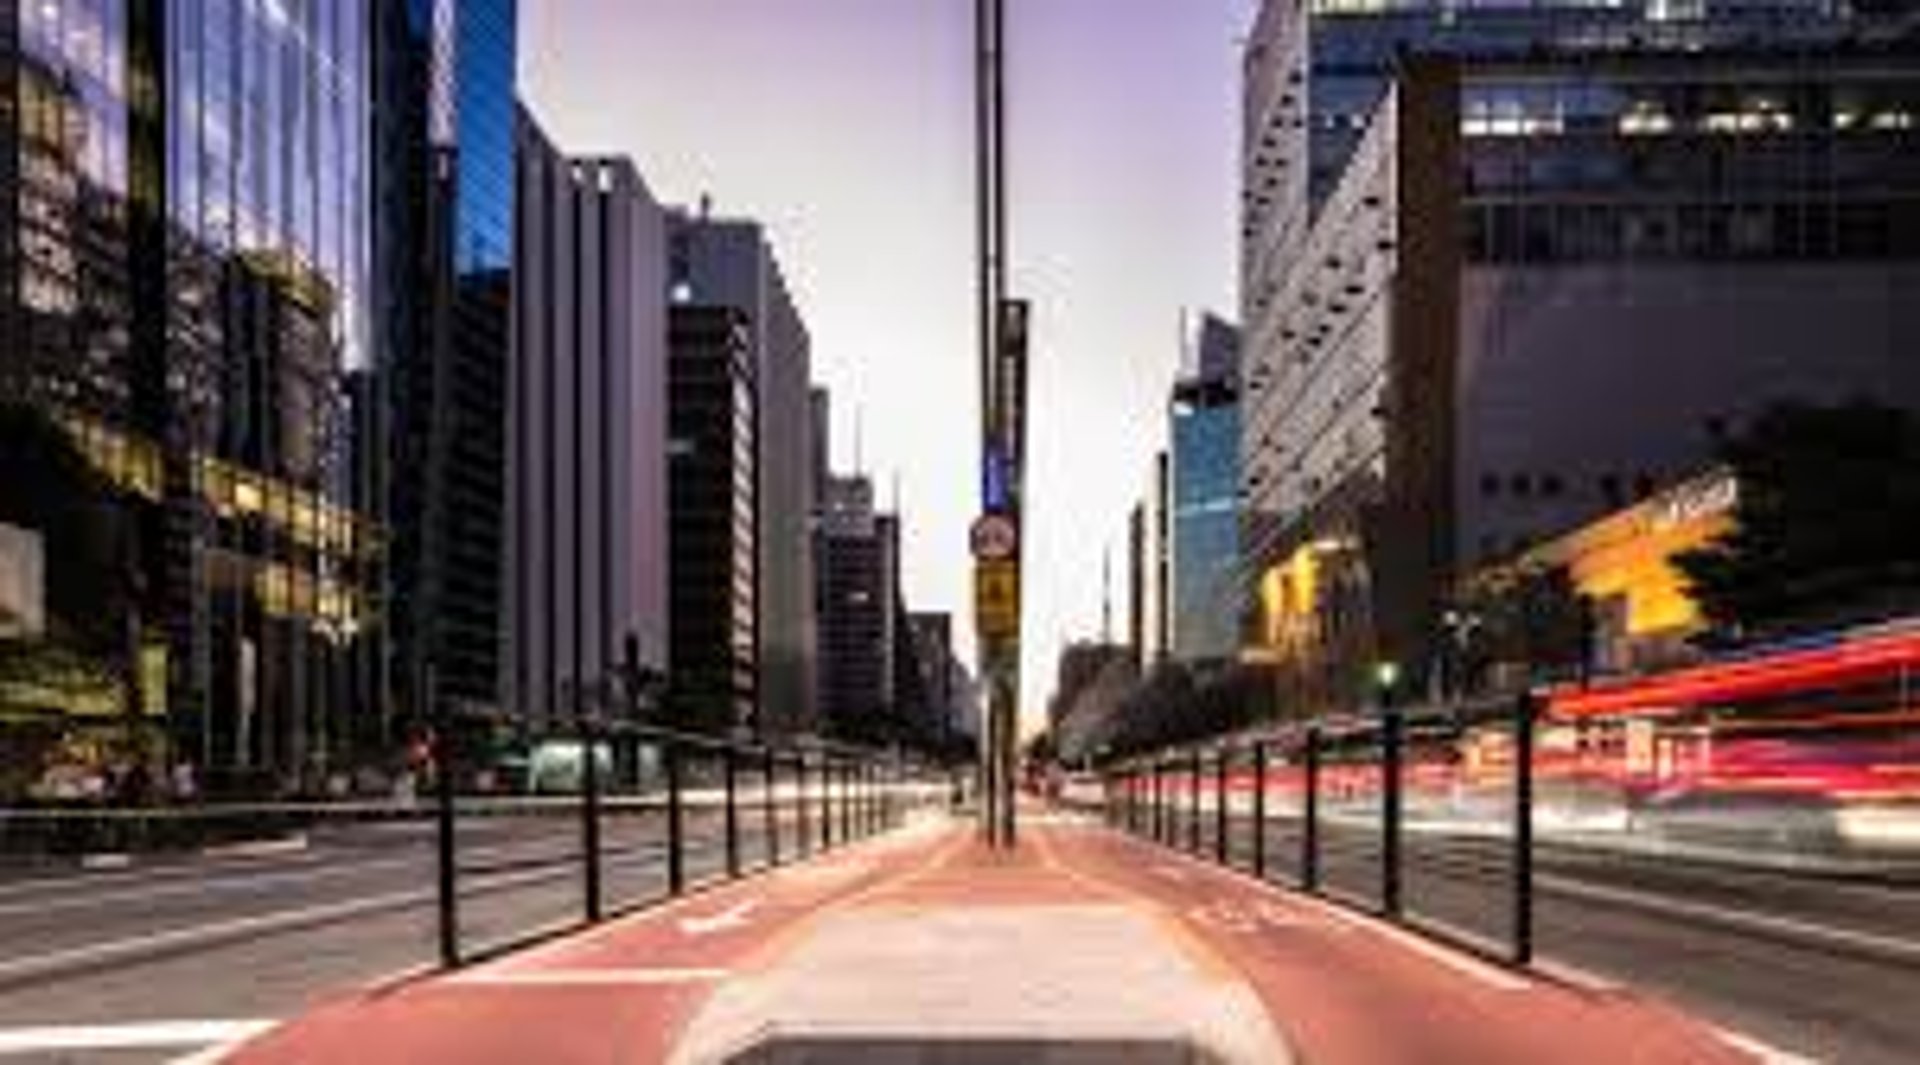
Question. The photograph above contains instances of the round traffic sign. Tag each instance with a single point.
(995, 537)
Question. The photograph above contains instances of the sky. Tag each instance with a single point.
(846, 126)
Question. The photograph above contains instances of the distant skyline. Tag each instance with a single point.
(847, 127)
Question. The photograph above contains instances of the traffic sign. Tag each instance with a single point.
(995, 537)
(996, 600)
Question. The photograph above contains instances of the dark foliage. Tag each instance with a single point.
(1825, 531)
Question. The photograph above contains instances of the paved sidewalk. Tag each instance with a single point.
(1082, 946)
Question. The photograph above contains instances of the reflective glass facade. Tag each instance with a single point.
(1205, 468)
(447, 102)
(186, 276)
(69, 312)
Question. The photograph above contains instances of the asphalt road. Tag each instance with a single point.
(1820, 966)
(263, 934)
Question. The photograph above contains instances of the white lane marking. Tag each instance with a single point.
(823, 871)
(142, 946)
(1766, 1053)
(106, 861)
(1904, 950)
(143, 1034)
(589, 977)
(255, 878)
(1459, 961)
(1568, 973)
(734, 916)
(1236, 917)
(258, 848)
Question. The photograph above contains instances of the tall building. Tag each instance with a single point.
(184, 280)
(1545, 262)
(729, 263)
(1204, 461)
(859, 593)
(586, 554)
(940, 677)
(446, 72)
(1154, 559)
(1137, 582)
(712, 519)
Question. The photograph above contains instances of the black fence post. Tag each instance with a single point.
(1193, 804)
(866, 797)
(1260, 810)
(802, 828)
(1162, 800)
(1220, 827)
(448, 854)
(676, 829)
(826, 802)
(1310, 811)
(1392, 743)
(1523, 728)
(769, 806)
(849, 798)
(729, 780)
(590, 818)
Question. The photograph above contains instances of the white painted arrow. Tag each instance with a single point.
(732, 917)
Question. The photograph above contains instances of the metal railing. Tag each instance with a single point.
(1343, 788)
(645, 814)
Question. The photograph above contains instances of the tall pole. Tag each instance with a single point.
(1002, 402)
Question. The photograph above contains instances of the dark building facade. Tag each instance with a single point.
(1540, 282)
(859, 594)
(445, 70)
(713, 520)
(184, 286)
(724, 262)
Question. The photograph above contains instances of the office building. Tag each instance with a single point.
(445, 129)
(1153, 559)
(941, 682)
(184, 278)
(586, 547)
(859, 594)
(729, 263)
(1538, 285)
(1204, 464)
(712, 520)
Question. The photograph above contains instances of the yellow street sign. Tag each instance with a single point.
(996, 599)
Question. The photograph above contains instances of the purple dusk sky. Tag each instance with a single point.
(846, 125)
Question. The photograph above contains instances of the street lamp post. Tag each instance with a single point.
(1387, 679)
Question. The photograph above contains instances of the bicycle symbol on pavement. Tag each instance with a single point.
(1242, 917)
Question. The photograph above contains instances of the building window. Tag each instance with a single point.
(1489, 485)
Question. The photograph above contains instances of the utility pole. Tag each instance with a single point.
(1003, 352)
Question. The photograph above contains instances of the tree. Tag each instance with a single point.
(1531, 617)
(1829, 498)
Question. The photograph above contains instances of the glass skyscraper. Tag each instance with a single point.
(447, 112)
(1205, 461)
(188, 211)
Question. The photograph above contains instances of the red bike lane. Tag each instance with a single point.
(617, 993)
(1342, 989)
(1351, 989)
